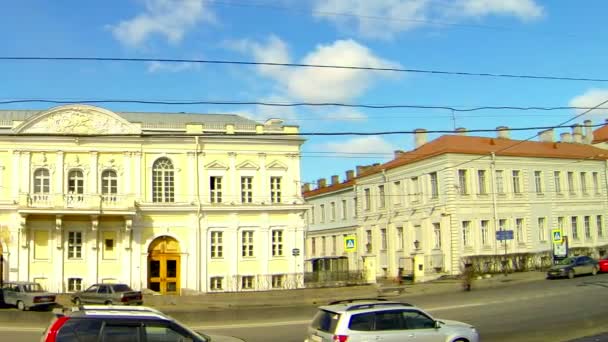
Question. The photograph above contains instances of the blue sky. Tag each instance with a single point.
(502, 36)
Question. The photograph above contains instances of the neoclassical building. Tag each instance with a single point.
(172, 202)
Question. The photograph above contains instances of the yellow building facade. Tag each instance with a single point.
(170, 202)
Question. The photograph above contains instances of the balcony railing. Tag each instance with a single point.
(76, 201)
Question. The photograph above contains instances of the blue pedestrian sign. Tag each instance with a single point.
(350, 243)
(557, 236)
(504, 235)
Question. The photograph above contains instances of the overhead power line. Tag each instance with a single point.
(302, 65)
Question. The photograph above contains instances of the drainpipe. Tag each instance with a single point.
(494, 203)
(198, 220)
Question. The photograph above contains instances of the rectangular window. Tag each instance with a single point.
(437, 234)
(542, 229)
(383, 242)
(462, 182)
(574, 224)
(313, 246)
(277, 281)
(247, 282)
(246, 189)
(519, 226)
(216, 283)
(368, 199)
(41, 244)
(538, 181)
(332, 211)
(571, 182)
(312, 215)
(502, 224)
(275, 189)
(516, 181)
(466, 233)
(322, 213)
(417, 194)
(277, 243)
(217, 245)
(481, 182)
(599, 222)
(587, 224)
(561, 223)
(500, 186)
(344, 209)
(215, 186)
(397, 192)
(74, 245)
(381, 198)
(434, 185)
(323, 246)
(368, 245)
(334, 245)
(596, 183)
(584, 182)
(400, 238)
(557, 176)
(484, 224)
(355, 207)
(247, 243)
(108, 246)
(74, 284)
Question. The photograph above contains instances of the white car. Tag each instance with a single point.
(380, 320)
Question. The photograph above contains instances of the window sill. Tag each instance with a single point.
(483, 195)
(540, 194)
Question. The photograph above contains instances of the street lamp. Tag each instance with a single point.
(416, 244)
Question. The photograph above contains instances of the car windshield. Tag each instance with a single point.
(567, 261)
(32, 288)
(122, 288)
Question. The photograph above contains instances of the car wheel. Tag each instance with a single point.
(77, 302)
(108, 302)
(594, 271)
(571, 274)
(21, 306)
(461, 340)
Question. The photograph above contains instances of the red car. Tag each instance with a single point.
(603, 264)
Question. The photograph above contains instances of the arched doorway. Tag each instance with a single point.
(164, 265)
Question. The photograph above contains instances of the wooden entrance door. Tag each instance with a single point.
(164, 267)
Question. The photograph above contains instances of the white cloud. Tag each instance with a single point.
(591, 98)
(319, 84)
(345, 114)
(385, 18)
(168, 18)
(170, 67)
(367, 144)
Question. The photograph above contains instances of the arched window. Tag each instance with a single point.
(75, 182)
(109, 182)
(42, 181)
(163, 181)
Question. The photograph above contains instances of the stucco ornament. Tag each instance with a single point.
(77, 120)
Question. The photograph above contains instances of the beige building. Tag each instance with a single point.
(164, 201)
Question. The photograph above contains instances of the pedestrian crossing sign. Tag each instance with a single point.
(350, 243)
(557, 236)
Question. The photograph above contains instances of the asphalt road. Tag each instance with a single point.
(547, 310)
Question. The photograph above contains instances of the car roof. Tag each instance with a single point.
(362, 304)
(119, 312)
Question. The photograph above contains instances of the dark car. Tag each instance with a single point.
(109, 294)
(573, 266)
(119, 323)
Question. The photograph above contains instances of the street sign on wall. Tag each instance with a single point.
(557, 236)
(504, 235)
(350, 243)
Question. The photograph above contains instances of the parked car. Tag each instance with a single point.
(120, 323)
(375, 319)
(573, 266)
(109, 294)
(603, 263)
(25, 295)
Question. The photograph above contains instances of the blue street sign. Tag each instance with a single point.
(504, 235)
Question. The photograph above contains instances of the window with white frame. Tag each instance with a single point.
(163, 181)
(247, 189)
(397, 192)
(587, 225)
(42, 181)
(481, 182)
(322, 213)
(383, 242)
(278, 280)
(75, 182)
(334, 244)
(542, 229)
(381, 197)
(109, 185)
(332, 211)
(369, 241)
(355, 207)
(368, 199)
(247, 282)
(584, 183)
(538, 181)
(216, 283)
(502, 224)
(599, 222)
(399, 238)
(323, 246)
(574, 226)
(500, 186)
(277, 242)
(484, 225)
(275, 189)
(437, 234)
(343, 209)
(313, 246)
(74, 245)
(215, 189)
(571, 188)
(74, 284)
(596, 183)
(462, 182)
(515, 177)
(466, 233)
(557, 178)
(519, 226)
(417, 194)
(217, 245)
(434, 185)
(247, 243)
(312, 215)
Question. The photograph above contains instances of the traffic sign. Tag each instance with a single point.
(295, 252)
(350, 243)
(504, 235)
(557, 236)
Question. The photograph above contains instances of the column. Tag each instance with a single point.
(125, 186)
(127, 256)
(262, 191)
(191, 177)
(17, 171)
(93, 243)
(25, 165)
(203, 180)
(94, 176)
(292, 179)
(57, 255)
(232, 181)
(23, 266)
(58, 188)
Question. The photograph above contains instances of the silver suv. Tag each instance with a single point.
(358, 320)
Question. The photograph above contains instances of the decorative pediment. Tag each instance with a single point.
(77, 119)
(276, 165)
(216, 165)
(247, 165)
